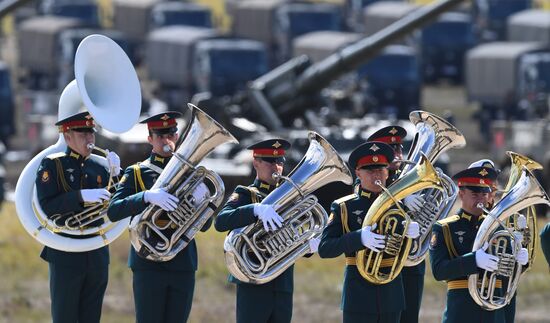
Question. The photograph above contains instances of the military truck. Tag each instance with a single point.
(7, 122)
(179, 13)
(84, 10)
(509, 80)
(529, 25)
(490, 17)
(353, 11)
(442, 46)
(393, 82)
(295, 19)
(379, 15)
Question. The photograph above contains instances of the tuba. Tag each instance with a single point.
(107, 85)
(434, 136)
(383, 267)
(255, 256)
(504, 242)
(158, 235)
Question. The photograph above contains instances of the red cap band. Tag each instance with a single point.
(474, 181)
(161, 124)
(389, 139)
(76, 124)
(268, 152)
(372, 160)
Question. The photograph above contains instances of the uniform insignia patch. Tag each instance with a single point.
(233, 197)
(45, 176)
(460, 235)
(99, 180)
(358, 212)
(359, 220)
(71, 178)
(433, 240)
(69, 170)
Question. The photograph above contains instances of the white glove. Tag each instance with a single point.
(485, 260)
(314, 244)
(200, 193)
(414, 202)
(521, 222)
(270, 219)
(114, 162)
(523, 256)
(413, 230)
(161, 198)
(373, 241)
(95, 195)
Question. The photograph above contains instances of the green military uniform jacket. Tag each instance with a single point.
(238, 212)
(452, 260)
(128, 201)
(343, 235)
(545, 242)
(60, 178)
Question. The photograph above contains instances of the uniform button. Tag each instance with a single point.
(81, 165)
(86, 176)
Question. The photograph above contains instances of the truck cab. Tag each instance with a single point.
(490, 17)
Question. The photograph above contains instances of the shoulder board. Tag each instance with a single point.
(56, 155)
(448, 220)
(345, 198)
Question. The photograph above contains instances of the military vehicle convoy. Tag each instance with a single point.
(529, 25)
(490, 17)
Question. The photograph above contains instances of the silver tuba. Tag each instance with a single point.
(434, 136)
(504, 242)
(158, 235)
(255, 256)
(107, 85)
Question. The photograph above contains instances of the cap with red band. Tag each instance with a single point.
(372, 154)
(478, 179)
(390, 135)
(269, 149)
(79, 121)
(163, 123)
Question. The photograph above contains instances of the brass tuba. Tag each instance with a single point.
(434, 136)
(384, 266)
(158, 235)
(503, 241)
(255, 256)
(107, 85)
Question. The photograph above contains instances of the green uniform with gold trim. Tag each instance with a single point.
(269, 302)
(362, 301)
(545, 242)
(163, 291)
(452, 260)
(77, 279)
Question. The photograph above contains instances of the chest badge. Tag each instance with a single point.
(460, 235)
(45, 176)
(71, 178)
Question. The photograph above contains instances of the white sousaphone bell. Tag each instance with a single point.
(107, 85)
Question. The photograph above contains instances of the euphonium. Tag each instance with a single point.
(503, 241)
(255, 256)
(159, 235)
(382, 267)
(530, 232)
(434, 136)
(107, 85)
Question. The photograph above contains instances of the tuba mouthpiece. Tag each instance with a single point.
(166, 149)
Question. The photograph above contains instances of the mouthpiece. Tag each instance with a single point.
(166, 148)
(480, 205)
(378, 182)
(90, 146)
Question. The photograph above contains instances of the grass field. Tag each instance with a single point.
(24, 295)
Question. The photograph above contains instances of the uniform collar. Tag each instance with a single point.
(470, 217)
(158, 160)
(363, 193)
(74, 155)
(263, 186)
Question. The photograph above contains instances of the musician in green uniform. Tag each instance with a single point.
(66, 183)
(163, 291)
(545, 242)
(451, 244)
(363, 301)
(413, 277)
(272, 301)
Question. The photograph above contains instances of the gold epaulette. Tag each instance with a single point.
(56, 155)
(345, 198)
(138, 180)
(448, 220)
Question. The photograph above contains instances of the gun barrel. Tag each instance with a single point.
(319, 75)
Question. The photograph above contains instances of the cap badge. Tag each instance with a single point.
(165, 117)
(375, 159)
(276, 145)
(483, 172)
(393, 131)
(374, 147)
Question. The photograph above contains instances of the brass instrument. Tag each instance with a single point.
(107, 85)
(523, 192)
(158, 235)
(434, 136)
(384, 266)
(255, 256)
